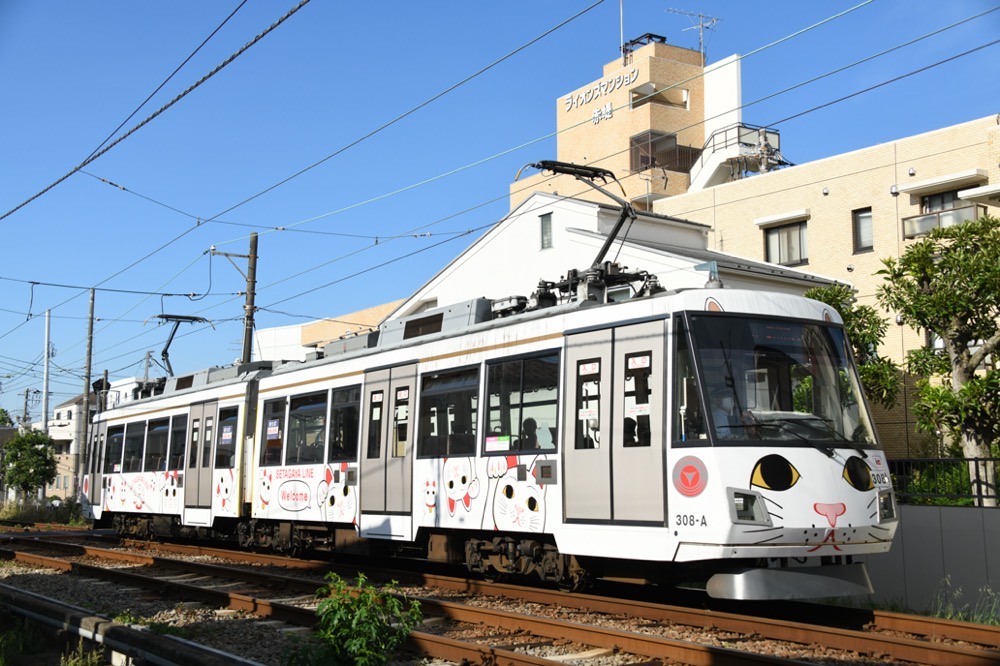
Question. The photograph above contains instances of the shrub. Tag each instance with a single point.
(363, 624)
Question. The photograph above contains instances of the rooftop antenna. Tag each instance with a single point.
(621, 30)
(702, 26)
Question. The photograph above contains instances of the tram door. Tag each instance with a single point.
(95, 465)
(614, 451)
(386, 436)
(198, 468)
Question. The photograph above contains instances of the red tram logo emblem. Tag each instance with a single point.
(690, 476)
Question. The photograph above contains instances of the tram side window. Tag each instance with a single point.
(178, 442)
(449, 408)
(345, 415)
(93, 464)
(522, 404)
(113, 452)
(689, 414)
(588, 404)
(195, 438)
(206, 442)
(156, 445)
(374, 449)
(274, 431)
(225, 447)
(638, 391)
(306, 429)
(135, 433)
(401, 422)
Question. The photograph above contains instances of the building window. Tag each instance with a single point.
(546, 226)
(933, 203)
(943, 209)
(862, 221)
(660, 150)
(787, 245)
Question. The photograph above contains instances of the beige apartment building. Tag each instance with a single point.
(671, 131)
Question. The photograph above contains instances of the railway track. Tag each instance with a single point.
(525, 620)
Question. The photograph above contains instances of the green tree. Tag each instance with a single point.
(5, 419)
(866, 331)
(948, 284)
(29, 461)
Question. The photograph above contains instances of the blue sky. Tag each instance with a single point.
(405, 199)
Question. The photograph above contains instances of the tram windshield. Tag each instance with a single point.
(784, 381)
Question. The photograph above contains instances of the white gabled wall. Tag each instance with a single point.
(508, 259)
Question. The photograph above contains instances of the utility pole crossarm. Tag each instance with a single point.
(249, 308)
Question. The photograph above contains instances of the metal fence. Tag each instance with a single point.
(945, 481)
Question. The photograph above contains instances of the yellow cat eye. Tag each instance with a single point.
(857, 473)
(533, 504)
(508, 491)
(774, 472)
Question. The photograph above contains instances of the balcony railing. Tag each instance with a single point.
(944, 481)
(919, 225)
(743, 135)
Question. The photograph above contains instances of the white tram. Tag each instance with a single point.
(712, 435)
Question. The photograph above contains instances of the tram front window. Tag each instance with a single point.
(783, 381)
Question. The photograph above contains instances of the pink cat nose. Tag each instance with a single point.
(831, 511)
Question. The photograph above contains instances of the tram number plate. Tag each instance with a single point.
(690, 520)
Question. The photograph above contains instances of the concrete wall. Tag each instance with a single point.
(952, 551)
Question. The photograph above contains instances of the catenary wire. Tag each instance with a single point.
(415, 108)
(218, 68)
(348, 277)
(817, 107)
(97, 155)
(167, 80)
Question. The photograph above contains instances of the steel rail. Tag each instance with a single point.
(646, 645)
(910, 649)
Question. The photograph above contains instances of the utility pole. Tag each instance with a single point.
(24, 416)
(83, 423)
(30, 399)
(45, 374)
(248, 308)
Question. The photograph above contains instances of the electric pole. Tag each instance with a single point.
(248, 308)
(45, 374)
(79, 442)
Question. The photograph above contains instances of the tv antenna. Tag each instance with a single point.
(705, 22)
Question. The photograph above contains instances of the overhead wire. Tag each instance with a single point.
(380, 265)
(218, 68)
(96, 155)
(167, 80)
(742, 106)
(416, 108)
(335, 282)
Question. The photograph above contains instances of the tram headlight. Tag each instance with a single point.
(886, 506)
(747, 507)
